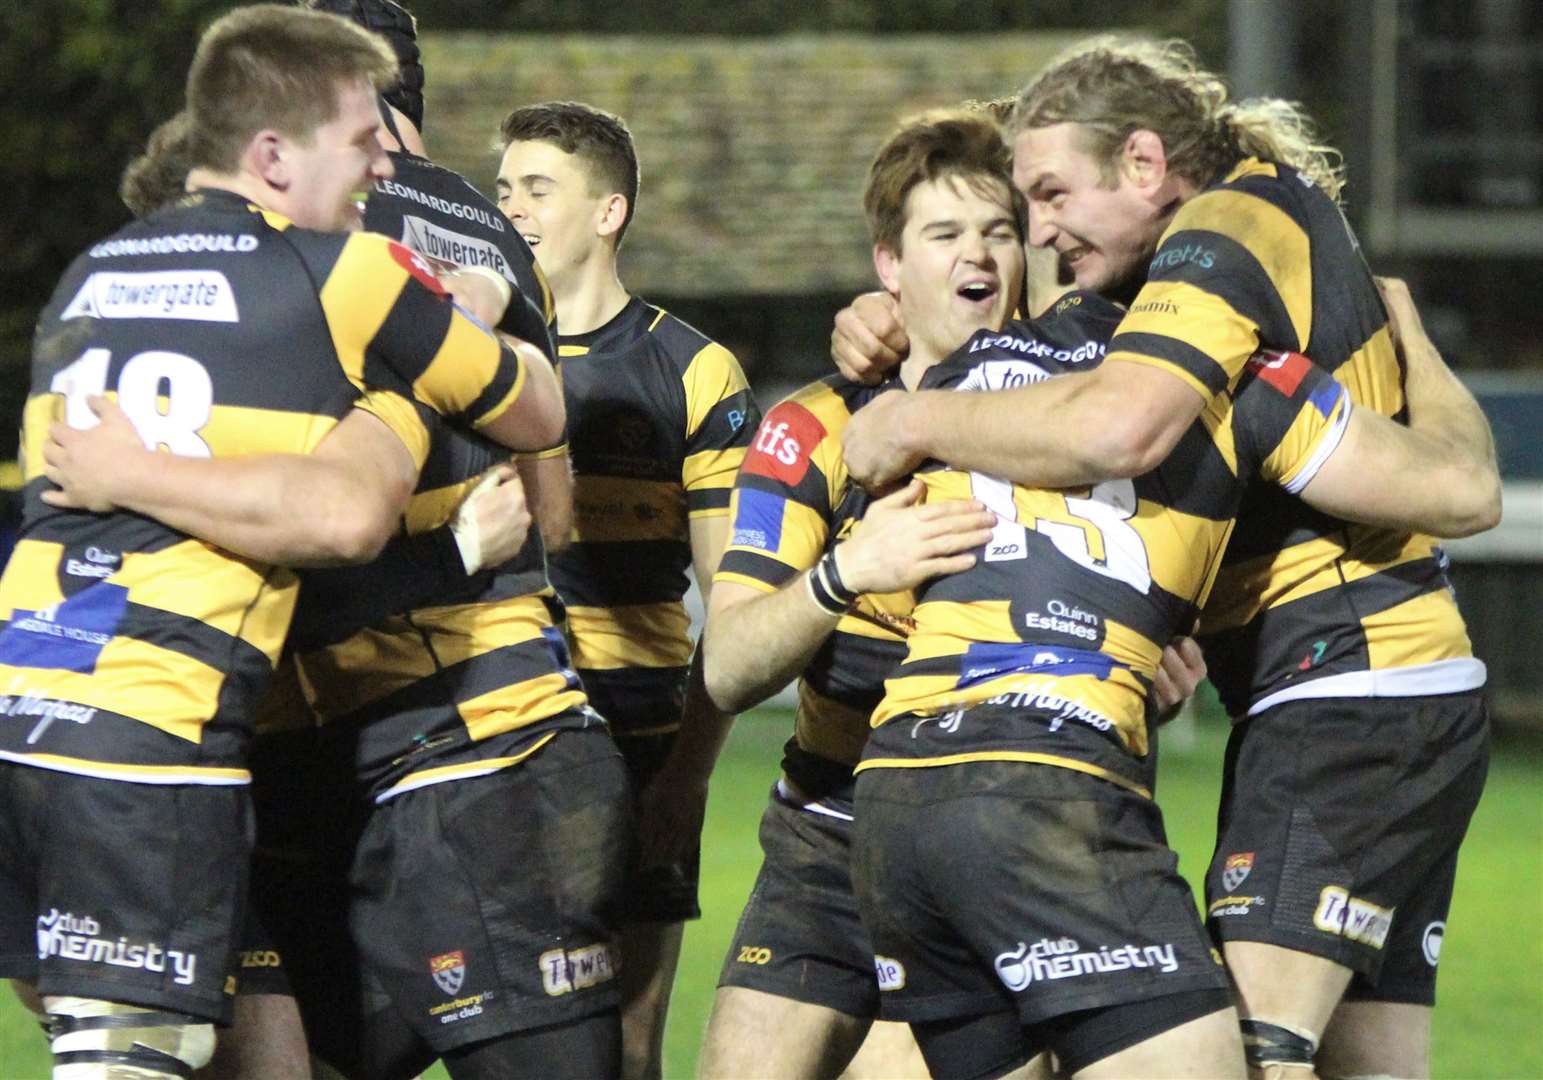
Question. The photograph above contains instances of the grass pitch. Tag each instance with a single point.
(1491, 988)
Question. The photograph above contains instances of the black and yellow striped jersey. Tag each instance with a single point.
(659, 417)
(1305, 605)
(1063, 618)
(793, 500)
(440, 215)
(128, 650)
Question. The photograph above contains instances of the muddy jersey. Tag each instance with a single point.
(1305, 605)
(1063, 618)
(794, 500)
(659, 417)
(129, 650)
(439, 214)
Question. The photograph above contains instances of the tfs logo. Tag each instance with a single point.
(783, 444)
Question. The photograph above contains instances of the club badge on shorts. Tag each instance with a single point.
(1236, 869)
(449, 971)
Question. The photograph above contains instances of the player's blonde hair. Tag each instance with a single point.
(963, 143)
(1113, 86)
(272, 66)
(158, 175)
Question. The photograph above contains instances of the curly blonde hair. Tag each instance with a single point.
(1113, 86)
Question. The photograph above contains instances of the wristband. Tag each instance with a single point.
(825, 585)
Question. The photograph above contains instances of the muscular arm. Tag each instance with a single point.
(758, 642)
(537, 418)
(1119, 420)
(549, 492)
(336, 505)
(1439, 474)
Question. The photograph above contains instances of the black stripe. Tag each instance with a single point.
(708, 499)
(850, 669)
(409, 338)
(1179, 353)
(498, 387)
(719, 429)
(455, 456)
(611, 573)
(753, 564)
(1235, 277)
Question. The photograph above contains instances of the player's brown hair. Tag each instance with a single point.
(271, 66)
(1113, 86)
(157, 176)
(965, 144)
(599, 139)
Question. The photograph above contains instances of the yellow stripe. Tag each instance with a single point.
(828, 728)
(145, 773)
(398, 414)
(560, 450)
(614, 508)
(10, 476)
(630, 636)
(659, 318)
(518, 705)
(712, 375)
(520, 374)
(465, 363)
(1182, 312)
(644, 732)
(1372, 375)
(1247, 588)
(430, 509)
(199, 582)
(363, 287)
(1005, 755)
(706, 470)
(1272, 237)
(40, 411)
(573, 350)
(159, 687)
(1421, 630)
(444, 773)
(377, 662)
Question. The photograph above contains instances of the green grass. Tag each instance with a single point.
(1491, 986)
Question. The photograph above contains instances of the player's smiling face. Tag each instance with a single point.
(1104, 233)
(333, 171)
(545, 192)
(960, 265)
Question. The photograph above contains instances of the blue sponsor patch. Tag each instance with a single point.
(1326, 395)
(68, 636)
(561, 657)
(758, 523)
(982, 662)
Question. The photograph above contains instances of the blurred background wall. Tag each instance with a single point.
(755, 121)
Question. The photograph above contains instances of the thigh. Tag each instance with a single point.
(1340, 821)
(138, 891)
(800, 935)
(756, 1034)
(666, 893)
(1376, 1038)
(485, 906)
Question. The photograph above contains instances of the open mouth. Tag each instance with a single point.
(531, 239)
(977, 292)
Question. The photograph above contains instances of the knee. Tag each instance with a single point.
(1276, 1049)
(92, 1040)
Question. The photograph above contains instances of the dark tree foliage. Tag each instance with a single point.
(82, 83)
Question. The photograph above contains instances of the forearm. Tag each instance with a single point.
(1067, 431)
(549, 492)
(754, 648)
(280, 508)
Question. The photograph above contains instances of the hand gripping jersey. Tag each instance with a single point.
(658, 419)
(1070, 603)
(130, 651)
(793, 500)
(1305, 605)
(441, 216)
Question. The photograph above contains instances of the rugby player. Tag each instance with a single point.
(1219, 219)
(153, 646)
(659, 418)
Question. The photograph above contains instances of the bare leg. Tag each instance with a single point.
(1377, 1038)
(1209, 1046)
(1295, 990)
(650, 953)
(753, 1034)
(264, 1042)
(888, 1053)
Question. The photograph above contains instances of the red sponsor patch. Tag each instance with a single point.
(417, 266)
(1282, 370)
(784, 443)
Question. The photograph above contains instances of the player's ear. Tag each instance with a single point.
(266, 156)
(613, 214)
(1144, 159)
(887, 264)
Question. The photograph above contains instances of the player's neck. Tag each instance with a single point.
(238, 183)
(916, 363)
(593, 300)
